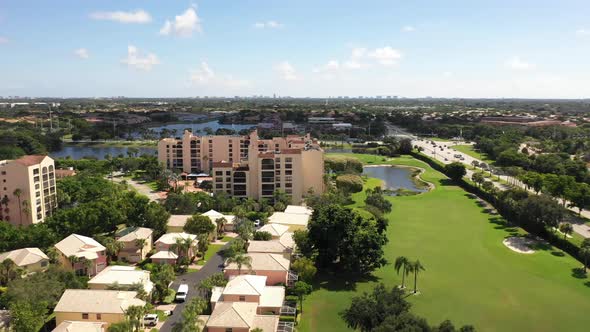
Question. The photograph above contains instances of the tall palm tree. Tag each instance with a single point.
(220, 224)
(140, 243)
(416, 267)
(241, 260)
(182, 246)
(566, 228)
(18, 192)
(585, 254)
(135, 314)
(402, 263)
(8, 271)
(26, 208)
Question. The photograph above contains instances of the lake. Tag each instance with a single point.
(99, 152)
(197, 128)
(393, 177)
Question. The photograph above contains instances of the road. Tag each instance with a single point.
(141, 188)
(193, 280)
(445, 153)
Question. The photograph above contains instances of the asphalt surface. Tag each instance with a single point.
(193, 280)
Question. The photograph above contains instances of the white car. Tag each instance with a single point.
(150, 320)
(181, 293)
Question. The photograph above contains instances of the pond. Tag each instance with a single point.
(99, 152)
(178, 128)
(395, 178)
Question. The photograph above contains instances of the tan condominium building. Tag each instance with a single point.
(248, 166)
(27, 189)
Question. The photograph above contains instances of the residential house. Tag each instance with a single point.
(75, 326)
(239, 317)
(294, 217)
(176, 223)
(82, 254)
(274, 266)
(284, 245)
(167, 253)
(31, 260)
(137, 243)
(275, 230)
(121, 276)
(229, 219)
(88, 305)
(250, 288)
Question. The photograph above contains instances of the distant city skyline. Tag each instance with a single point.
(224, 48)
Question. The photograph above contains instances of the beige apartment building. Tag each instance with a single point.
(27, 189)
(248, 166)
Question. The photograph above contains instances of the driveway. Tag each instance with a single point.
(193, 280)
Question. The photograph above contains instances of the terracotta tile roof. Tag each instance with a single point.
(62, 173)
(30, 160)
(291, 151)
(222, 164)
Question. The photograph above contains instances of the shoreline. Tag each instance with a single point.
(430, 186)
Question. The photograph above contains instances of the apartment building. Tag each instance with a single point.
(248, 166)
(27, 189)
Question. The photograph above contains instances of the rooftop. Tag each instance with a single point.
(25, 256)
(123, 275)
(298, 209)
(285, 218)
(170, 238)
(80, 246)
(30, 160)
(265, 262)
(134, 233)
(164, 255)
(275, 230)
(75, 326)
(178, 220)
(97, 301)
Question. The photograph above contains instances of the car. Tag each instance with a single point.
(181, 293)
(257, 223)
(150, 320)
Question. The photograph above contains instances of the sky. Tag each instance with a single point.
(304, 48)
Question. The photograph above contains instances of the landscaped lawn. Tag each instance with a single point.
(470, 151)
(470, 277)
(212, 250)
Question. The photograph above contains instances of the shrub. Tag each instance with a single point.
(349, 183)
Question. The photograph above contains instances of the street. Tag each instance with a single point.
(193, 279)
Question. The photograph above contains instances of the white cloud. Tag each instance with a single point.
(206, 76)
(3, 40)
(516, 63)
(583, 32)
(138, 16)
(332, 65)
(268, 25)
(139, 61)
(386, 56)
(82, 53)
(358, 52)
(286, 71)
(183, 25)
(408, 28)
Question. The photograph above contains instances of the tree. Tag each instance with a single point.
(113, 247)
(345, 240)
(455, 170)
(203, 244)
(241, 260)
(162, 276)
(190, 316)
(405, 146)
(305, 269)
(28, 316)
(475, 164)
(182, 246)
(199, 224)
(8, 271)
(220, 225)
(349, 183)
(18, 192)
(301, 288)
(584, 253)
(207, 284)
(402, 263)
(134, 315)
(375, 198)
(487, 186)
(478, 178)
(262, 236)
(140, 243)
(124, 326)
(579, 196)
(416, 267)
(245, 229)
(566, 228)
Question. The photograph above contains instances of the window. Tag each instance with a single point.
(242, 298)
(85, 316)
(228, 173)
(219, 186)
(218, 172)
(99, 316)
(288, 159)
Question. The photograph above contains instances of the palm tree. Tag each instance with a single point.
(220, 224)
(585, 254)
(566, 228)
(402, 263)
(17, 192)
(135, 314)
(241, 260)
(416, 267)
(8, 271)
(140, 243)
(113, 247)
(26, 208)
(182, 246)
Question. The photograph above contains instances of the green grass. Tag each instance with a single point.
(212, 250)
(470, 277)
(226, 238)
(470, 151)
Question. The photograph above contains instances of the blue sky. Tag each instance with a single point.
(413, 48)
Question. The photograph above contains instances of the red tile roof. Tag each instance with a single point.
(222, 164)
(30, 160)
(291, 151)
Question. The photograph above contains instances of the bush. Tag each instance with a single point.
(262, 236)
(349, 183)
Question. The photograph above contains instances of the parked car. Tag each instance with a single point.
(150, 320)
(181, 293)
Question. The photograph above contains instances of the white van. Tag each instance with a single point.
(181, 293)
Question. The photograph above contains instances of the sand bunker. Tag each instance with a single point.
(520, 244)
